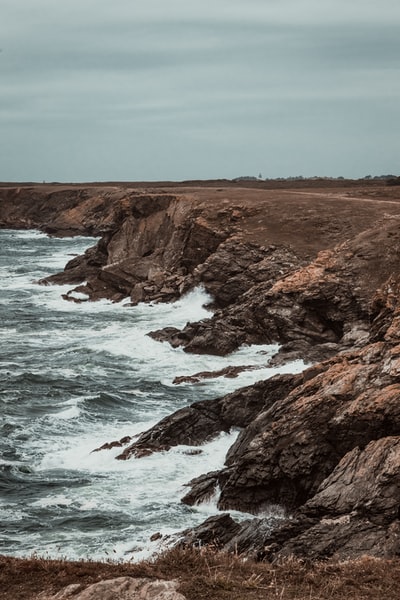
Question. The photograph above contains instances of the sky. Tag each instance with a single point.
(147, 90)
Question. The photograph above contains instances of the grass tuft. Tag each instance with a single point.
(211, 575)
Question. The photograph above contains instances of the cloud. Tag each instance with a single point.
(204, 80)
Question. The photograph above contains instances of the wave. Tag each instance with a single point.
(78, 375)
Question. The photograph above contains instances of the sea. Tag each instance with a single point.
(76, 375)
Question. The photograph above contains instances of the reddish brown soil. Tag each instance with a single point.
(308, 216)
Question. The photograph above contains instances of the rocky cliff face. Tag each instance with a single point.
(324, 445)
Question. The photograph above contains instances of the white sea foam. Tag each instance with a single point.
(25, 234)
(68, 413)
(83, 374)
(56, 500)
(133, 486)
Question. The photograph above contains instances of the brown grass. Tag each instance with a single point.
(210, 575)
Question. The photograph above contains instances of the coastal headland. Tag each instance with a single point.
(311, 265)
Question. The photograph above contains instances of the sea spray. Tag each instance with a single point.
(77, 375)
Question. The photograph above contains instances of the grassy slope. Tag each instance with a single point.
(213, 576)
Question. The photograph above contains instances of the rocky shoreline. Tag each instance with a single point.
(314, 270)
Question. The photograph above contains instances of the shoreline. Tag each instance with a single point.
(317, 272)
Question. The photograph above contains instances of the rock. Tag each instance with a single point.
(202, 488)
(229, 372)
(344, 489)
(123, 588)
(246, 538)
(215, 531)
(327, 302)
(286, 452)
(148, 252)
(202, 421)
(365, 482)
(343, 538)
(116, 444)
(289, 269)
(164, 335)
(236, 266)
(355, 510)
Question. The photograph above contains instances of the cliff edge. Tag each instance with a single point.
(316, 270)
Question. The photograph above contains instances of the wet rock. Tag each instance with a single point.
(202, 421)
(229, 372)
(116, 444)
(287, 450)
(165, 335)
(215, 531)
(202, 488)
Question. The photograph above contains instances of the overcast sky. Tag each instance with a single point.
(182, 89)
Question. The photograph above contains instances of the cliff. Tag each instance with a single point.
(317, 271)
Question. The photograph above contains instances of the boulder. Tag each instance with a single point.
(123, 588)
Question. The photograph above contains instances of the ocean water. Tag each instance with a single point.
(74, 376)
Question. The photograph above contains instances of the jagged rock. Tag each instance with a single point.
(202, 488)
(215, 531)
(342, 420)
(246, 538)
(236, 266)
(229, 372)
(202, 421)
(317, 280)
(123, 588)
(365, 482)
(327, 302)
(116, 444)
(164, 335)
(343, 537)
(150, 254)
(286, 452)
(355, 510)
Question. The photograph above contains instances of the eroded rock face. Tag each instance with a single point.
(202, 421)
(366, 482)
(330, 452)
(286, 451)
(62, 210)
(237, 266)
(326, 303)
(323, 444)
(326, 447)
(123, 588)
(355, 511)
(148, 254)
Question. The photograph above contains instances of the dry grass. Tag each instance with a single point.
(213, 576)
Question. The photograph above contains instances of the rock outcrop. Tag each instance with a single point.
(315, 309)
(123, 588)
(202, 421)
(329, 451)
(317, 273)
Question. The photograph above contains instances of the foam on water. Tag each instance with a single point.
(78, 375)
